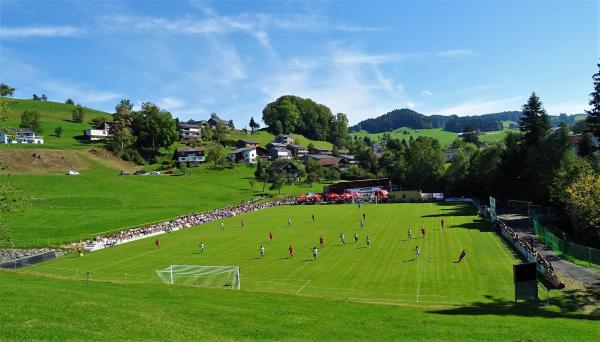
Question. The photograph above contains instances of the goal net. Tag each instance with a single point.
(206, 276)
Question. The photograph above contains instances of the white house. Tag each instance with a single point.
(246, 155)
(192, 156)
(22, 136)
(102, 132)
(280, 153)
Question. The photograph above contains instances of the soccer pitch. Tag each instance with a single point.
(386, 272)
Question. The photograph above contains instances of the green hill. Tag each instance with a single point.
(446, 138)
(264, 137)
(53, 115)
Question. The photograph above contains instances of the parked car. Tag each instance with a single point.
(72, 173)
(124, 173)
(139, 172)
(155, 173)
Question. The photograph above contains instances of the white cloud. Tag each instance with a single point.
(171, 103)
(39, 31)
(482, 106)
(426, 93)
(63, 90)
(456, 53)
(566, 107)
(410, 105)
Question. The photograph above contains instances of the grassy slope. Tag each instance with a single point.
(54, 114)
(99, 200)
(104, 311)
(385, 272)
(445, 137)
(265, 137)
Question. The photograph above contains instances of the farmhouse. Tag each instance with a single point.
(247, 143)
(297, 150)
(280, 153)
(330, 162)
(318, 150)
(192, 156)
(100, 132)
(21, 136)
(246, 155)
(284, 167)
(284, 139)
(191, 131)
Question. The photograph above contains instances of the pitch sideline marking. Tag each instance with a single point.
(303, 286)
(420, 277)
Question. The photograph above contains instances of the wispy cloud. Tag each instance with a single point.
(171, 103)
(62, 90)
(39, 31)
(566, 107)
(482, 106)
(426, 93)
(456, 53)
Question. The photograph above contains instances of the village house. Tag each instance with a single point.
(246, 143)
(100, 132)
(191, 156)
(284, 167)
(297, 150)
(21, 136)
(318, 150)
(191, 131)
(284, 139)
(245, 155)
(280, 153)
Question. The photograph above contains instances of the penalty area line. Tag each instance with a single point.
(303, 286)
(420, 277)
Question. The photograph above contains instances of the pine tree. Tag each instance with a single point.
(253, 124)
(593, 119)
(535, 122)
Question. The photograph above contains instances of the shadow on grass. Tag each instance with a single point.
(453, 210)
(568, 305)
(479, 224)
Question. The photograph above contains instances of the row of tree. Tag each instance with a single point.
(293, 114)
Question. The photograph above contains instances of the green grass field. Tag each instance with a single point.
(53, 115)
(264, 137)
(386, 272)
(446, 138)
(351, 292)
(65, 208)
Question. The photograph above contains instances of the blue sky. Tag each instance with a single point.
(362, 58)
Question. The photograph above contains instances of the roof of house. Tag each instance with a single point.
(280, 164)
(298, 147)
(249, 141)
(240, 150)
(575, 139)
(275, 144)
(190, 149)
(279, 149)
(347, 156)
(318, 156)
(329, 161)
(24, 130)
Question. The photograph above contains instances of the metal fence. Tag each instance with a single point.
(584, 254)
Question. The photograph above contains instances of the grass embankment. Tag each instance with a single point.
(65, 208)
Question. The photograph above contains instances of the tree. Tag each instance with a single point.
(586, 146)
(219, 133)
(332, 174)
(215, 154)
(121, 131)
(253, 125)
(35, 97)
(31, 120)
(593, 119)
(153, 129)
(583, 208)
(97, 121)
(43, 97)
(69, 102)
(277, 182)
(6, 91)
(535, 123)
(77, 114)
(58, 131)
(4, 108)
(580, 127)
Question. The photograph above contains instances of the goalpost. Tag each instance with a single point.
(206, 276)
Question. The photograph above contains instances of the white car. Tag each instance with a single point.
(155, 173)
(73, 173)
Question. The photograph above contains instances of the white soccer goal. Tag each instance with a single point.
(206, 276)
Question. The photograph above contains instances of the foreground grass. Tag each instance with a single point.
(385, 272)
(66, 208)
(104, 311)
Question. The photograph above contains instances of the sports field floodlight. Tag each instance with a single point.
(205, 276)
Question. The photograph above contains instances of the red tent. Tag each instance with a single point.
(332, 195)
(346, 195)
(383, 192)
(356, 194)
(302, 196)
(316, 197)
